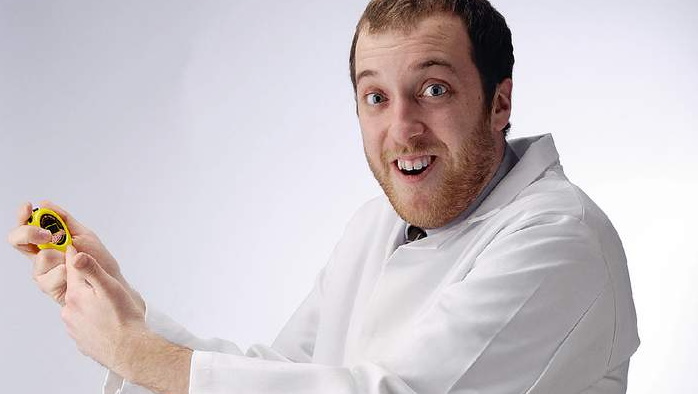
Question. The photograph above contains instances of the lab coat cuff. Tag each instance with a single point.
(214, 373)
(113, 383)
(205, 373)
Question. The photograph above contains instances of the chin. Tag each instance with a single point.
(425, 211)
(424, 219)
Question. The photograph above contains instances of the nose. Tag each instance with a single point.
(405, 121)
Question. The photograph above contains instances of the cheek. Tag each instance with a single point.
(450, 131)
(372, 137)
(453, 128)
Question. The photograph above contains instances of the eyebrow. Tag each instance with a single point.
(434, 63)
(420, 66)
(364, 74)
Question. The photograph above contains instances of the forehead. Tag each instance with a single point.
(440, 37)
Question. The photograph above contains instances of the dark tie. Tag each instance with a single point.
(414, 233)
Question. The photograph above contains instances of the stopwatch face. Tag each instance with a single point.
(52, 224)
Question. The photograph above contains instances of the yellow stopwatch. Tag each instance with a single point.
(51, 221)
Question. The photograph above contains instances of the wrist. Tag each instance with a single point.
(129, 346)
(155, 363)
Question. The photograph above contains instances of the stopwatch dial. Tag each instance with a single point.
(52, 224)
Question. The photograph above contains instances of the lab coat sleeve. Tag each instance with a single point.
(534, 315)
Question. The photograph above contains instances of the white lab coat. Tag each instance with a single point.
(529, 294)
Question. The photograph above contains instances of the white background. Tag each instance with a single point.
(214, 148)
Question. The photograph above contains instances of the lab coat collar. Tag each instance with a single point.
(536, 154)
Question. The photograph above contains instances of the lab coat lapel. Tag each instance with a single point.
(405, 283)
(409, 279)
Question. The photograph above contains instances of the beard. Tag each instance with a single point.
(462, 176)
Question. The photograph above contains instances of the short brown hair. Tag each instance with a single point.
(492, 51)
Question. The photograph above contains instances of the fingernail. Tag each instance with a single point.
(46, 234)
(80, 262)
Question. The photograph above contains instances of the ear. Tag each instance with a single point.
(501, 105)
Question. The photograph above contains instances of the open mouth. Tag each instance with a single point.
(414, 166)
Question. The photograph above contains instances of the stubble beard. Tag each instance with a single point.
(462, 178)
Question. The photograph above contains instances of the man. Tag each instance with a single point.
(484, 270)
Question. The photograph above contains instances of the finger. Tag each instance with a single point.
(54, 283)
(46, 260)
(28, 235)
(28, 250)
(23, 213)
(89, 244)
(74, 226)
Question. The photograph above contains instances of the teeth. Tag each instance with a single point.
(416, 164)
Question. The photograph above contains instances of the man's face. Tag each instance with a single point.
(427, 136)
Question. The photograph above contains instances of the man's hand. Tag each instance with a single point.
(99, 313)
(49, 269)
(108, 326)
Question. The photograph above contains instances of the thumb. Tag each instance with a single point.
(73, 277)
(85, 267)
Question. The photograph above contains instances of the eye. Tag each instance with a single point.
(374, 98)
(435, 90)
